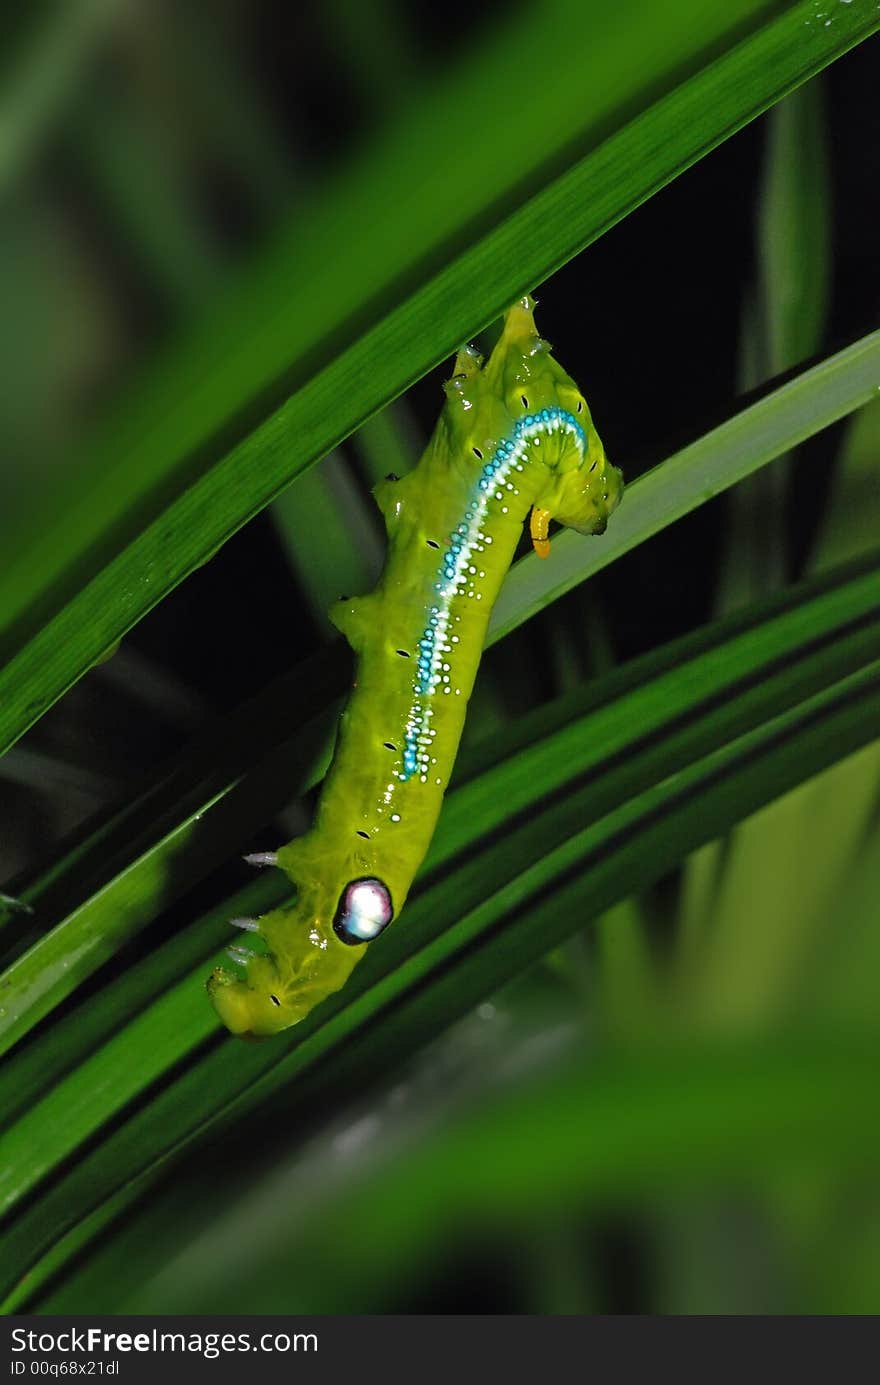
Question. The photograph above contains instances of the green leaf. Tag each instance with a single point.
(782, 324)
(794, 230)
(331, 534)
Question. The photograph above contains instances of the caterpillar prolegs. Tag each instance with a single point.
(515, 436)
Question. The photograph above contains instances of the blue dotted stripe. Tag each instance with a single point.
(467, 540)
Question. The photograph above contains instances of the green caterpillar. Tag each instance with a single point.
(515, 435)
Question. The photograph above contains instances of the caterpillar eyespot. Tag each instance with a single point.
(418, 638)
(363, 912)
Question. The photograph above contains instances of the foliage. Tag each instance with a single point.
(647, 924)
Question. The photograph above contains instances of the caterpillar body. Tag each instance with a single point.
(514, 436)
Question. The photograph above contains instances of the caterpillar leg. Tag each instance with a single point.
(242, 955)
(15, 906)
(539, 528)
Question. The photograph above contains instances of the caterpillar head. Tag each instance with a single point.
(583, 495)
(582, 487)
(300, 960)
(523, 387)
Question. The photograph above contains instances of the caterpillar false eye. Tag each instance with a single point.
(417, 657)
(363, 912)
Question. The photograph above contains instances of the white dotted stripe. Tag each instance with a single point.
(459, 574)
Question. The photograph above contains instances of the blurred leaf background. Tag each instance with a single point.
(621, 1054)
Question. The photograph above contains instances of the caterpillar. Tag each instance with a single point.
(515, 436)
